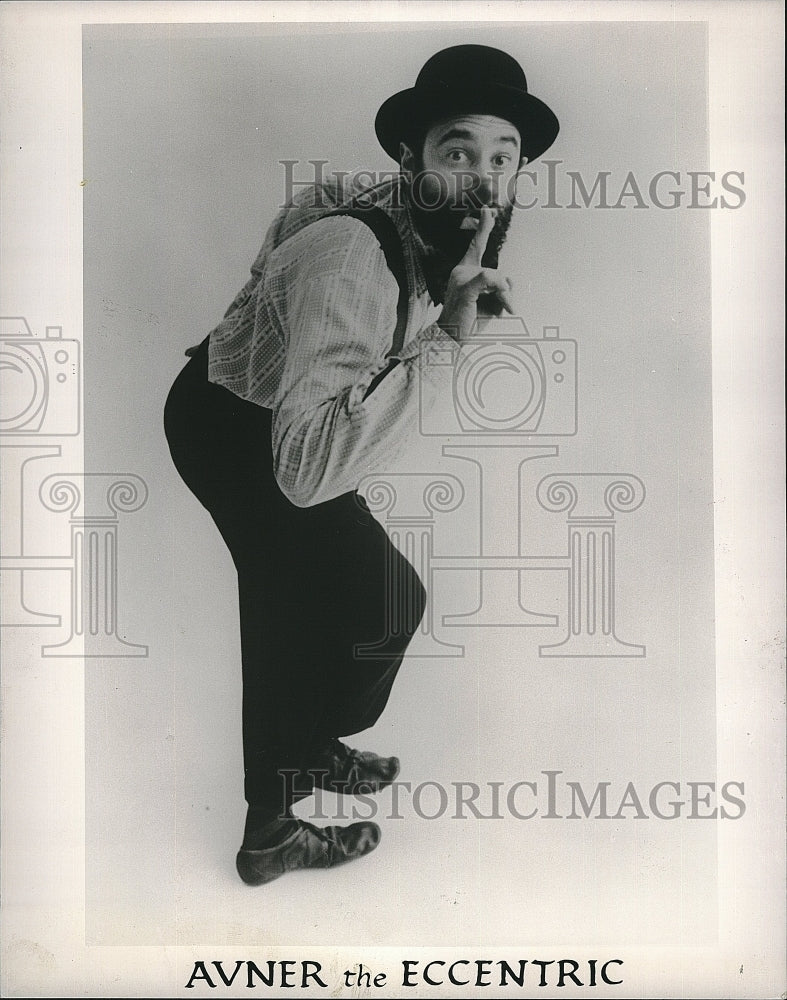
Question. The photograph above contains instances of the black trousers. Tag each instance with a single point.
(313, 583)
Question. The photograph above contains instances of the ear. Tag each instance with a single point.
(406, 158)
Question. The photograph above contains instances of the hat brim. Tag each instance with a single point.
(412, 109)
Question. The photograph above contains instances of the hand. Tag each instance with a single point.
(469, 280)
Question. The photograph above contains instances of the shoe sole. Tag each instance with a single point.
(250, 873)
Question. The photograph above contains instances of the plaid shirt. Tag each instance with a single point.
(312, 328)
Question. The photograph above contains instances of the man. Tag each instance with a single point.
(310, 382)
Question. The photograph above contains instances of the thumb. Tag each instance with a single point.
(475, 252)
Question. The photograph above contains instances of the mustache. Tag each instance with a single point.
(448, 229)
(469, 204)
(474, 201)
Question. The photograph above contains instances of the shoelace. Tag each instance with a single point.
(332, 846)
(349, 767)
(348, 760)
(342, 750)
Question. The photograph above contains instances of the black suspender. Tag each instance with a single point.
(384, 229)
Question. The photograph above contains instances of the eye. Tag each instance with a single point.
(456, 155)
(501, 159)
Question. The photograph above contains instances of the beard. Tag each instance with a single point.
(447, 242)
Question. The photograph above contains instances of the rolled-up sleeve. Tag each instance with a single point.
(337, 316)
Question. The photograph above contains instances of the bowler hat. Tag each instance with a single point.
(467, 79)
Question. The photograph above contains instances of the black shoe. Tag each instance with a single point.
(308, 847)
(338, 768)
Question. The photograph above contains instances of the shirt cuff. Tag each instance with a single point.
(437, 357)
(432, 334)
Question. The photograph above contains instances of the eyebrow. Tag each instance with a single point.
(463, 133)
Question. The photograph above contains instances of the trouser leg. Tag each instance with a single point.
(302, 680)
(312, 584)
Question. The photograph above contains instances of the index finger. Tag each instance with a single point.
(475, 251)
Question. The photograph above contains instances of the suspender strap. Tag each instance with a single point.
(384, 229)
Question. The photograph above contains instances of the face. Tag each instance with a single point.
(466, 161)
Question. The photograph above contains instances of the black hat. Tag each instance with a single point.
(468, 79)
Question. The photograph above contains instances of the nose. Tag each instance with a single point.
(486, 188)
(482, 191)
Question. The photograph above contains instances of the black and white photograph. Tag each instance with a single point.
(392, 499)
